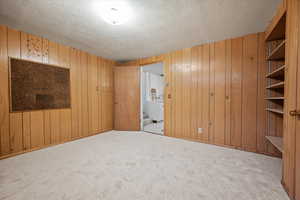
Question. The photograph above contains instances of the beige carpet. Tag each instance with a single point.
(134, 165)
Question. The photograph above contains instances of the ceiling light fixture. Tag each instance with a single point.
(114, 12)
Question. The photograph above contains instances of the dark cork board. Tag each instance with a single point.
(37, 86)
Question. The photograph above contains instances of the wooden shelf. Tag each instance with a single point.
(273, 110)
(278, 53)
(275, 40)
(274, 98)
(278, 31)
(276, 85)
(276, 73)
(276, 141)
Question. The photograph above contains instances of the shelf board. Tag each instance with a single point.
(278, 53)
(276, 85)
(276, 73)
(277, 111)
(276, 141)
(274, 98)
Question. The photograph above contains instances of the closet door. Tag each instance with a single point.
(291, 137)
(106, 76)
(127, 98)
(93, 93)
(297, 118)
(297, 145)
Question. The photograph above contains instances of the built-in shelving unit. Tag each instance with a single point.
(277, 73)
(276, 85)
(278, 111)
(274, 98)
(278, 53)
(276, 141)
(275, 78)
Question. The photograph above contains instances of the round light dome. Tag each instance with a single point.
(114, 12)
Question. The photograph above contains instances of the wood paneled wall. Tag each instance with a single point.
(219, 87)
(91, 94)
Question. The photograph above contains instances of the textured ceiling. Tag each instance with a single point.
(157, 26)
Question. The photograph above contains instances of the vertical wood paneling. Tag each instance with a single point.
(167, 92)
(261, 94)
(53, 53)
(102, 86)
(105, 94)
(37, 129)
(79, 95)
(195, 101)
(54, 114)
(93, 101)
(4, 99)
(65, 125)
(236, 92)
(65, 116)
(249, 109)
(179, 97)
(63, 56)
(173, 93)
(212, 92)
(74, 65)
(107, 118)
(26, 131)
(228, 94)
(47, 122)
(205, 82)
(193, 74)
(220, 91)
(16, 132)
(186, 93)
(16, 124)
(47, 127)
(223, 85)
(32, 49)
(84, 95)
(31, 130)
(55, 126)
(198, 99)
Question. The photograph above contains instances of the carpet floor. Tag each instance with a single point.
(136, 165)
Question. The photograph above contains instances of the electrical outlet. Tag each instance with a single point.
(200, 130)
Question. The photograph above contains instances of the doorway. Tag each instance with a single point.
(152, 98)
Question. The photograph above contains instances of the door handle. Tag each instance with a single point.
(294, 113)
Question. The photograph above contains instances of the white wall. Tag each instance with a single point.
(153, 81)
(151, 78)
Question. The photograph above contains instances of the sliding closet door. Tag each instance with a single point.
(127, 98)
